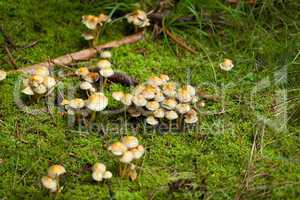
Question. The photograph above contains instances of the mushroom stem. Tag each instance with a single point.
(93, 116)
(97, 36)
(57, 187)
(170, 125)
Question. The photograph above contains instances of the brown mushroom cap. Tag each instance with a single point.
(191, 117)
(169, 103)
(171, 115)
(152, 105)
(151, 120)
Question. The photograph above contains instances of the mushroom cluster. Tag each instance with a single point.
(138, 18)
(94, 23)
(2, 75)
(129, 151)
(51, 181)
(93, 83)
(160, 99)
(99, 172)
(39, 83)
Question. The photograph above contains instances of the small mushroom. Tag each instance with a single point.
(97, 176)
(105, 55)
(99, 167)
(91, 77)
(91, 21)
(40, 89)
(169, 103)
(117, 148)
(171, 115)
(151, 120)
(155, 80)
(149, 92)
(138, 152)
(227, 65)
(88, 36)
(164, 78)
(118, 95)
(134, 112)
(86, 85)
(49, 183)
(28, 91)
(130, 141)
(97, 102)
(49, 82)
(191, 117)
(83, 71)
(104, 63)
(138, 90)
(41, 71)
(169, 89)
(127, 157)
(159, 113)
(152, 105)
(107, 175)
(159, 97)
(138, 18)
(127, 99)
(107, 72)
(56, 170)
(2, 75)
(139, 100)
(76, 103)
(183, 108)
(184, 95)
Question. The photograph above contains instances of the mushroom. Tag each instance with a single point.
(40, 89)
(83, 71)
(159, 97)
(227, 65)
(139, 100)
(169, 89)
(155, 80)
(127, 99)
(191, 117)
(97, 102)
(86, 86)
(56, 170)
(183, 108)
(151, 120)
(99, 167)
(171, 115)
(117, 148)
(149, 92)
(138, 90)
(184, 95)
(28, 91)
(41, 71)
(97, 176)
(118, 95)
(169, 103)
(152, 105)
(49, 183)
(49, 82)
(88, 36)
(138, 18)
(91, 21)
(138, 152)
(104, 63)
(76, 103)
(106, 72)
(127, 157)
(164, 78)
(107, 175)
(130, 141)
(2, 75)
(159, 113)
(134, 112)
(105, 55)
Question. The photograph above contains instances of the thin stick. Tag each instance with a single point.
(180, 42)
(84, 54)
(10, 57)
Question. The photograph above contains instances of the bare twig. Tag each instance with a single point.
(85, 54)
(179, 41)
(10, 57)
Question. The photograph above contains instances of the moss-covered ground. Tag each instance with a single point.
(252, 151)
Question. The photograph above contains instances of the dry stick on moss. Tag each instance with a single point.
(179, 41)
(83, 55)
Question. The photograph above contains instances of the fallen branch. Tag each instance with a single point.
(180, 42)
(83, 55)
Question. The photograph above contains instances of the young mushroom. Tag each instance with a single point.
(139, 19)
(2, 75)
(49, 183)
(151, 120)
(227, 65)
(171, 115)
(99, 172)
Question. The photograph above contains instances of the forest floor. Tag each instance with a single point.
(251, 151)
